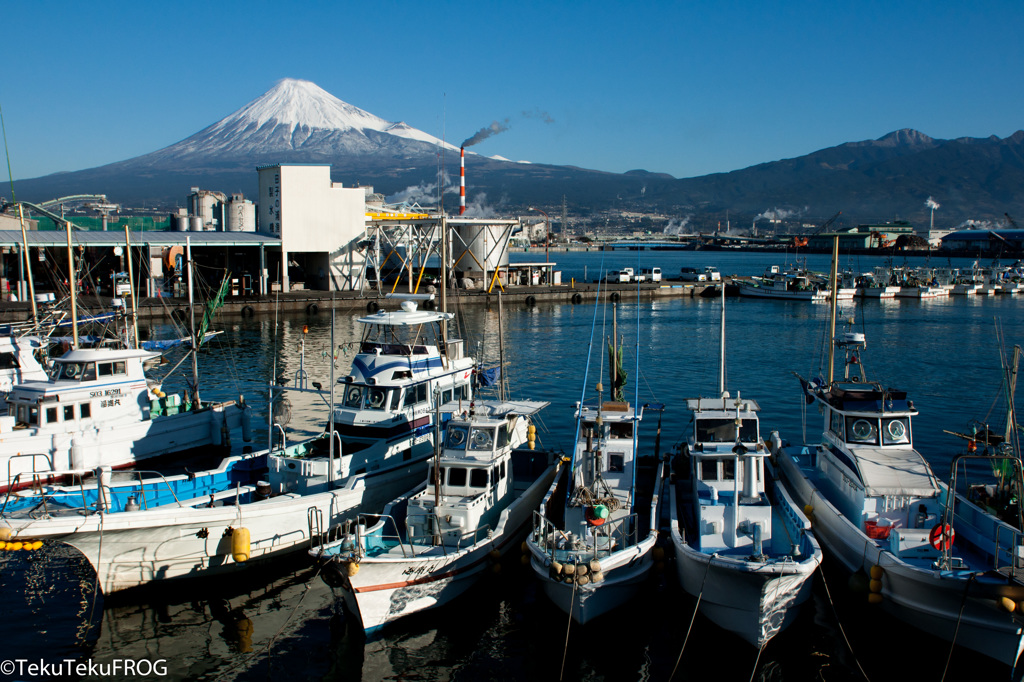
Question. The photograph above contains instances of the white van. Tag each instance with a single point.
(692, 275)
(618, 276)
(651, 274)
(711, 274)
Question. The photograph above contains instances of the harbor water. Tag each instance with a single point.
(279, 621)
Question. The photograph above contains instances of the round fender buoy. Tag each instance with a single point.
(180, 314)
(614, 296)
(247, 311)
(577, 298)
(429, 305)
(372, 307)
(312, 309)
(941, 537)
(531, 300)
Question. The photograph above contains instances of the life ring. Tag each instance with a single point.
(247, 311)
(942, 537)
(531, 300)
(312, 309)
(372, 307)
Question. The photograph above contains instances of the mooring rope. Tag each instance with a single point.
(840, 625)
(692, 618)
(778, 587)
(956, 631)
(565, 649)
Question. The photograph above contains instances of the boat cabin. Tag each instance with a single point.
(727, 475)
(467, 486)
(86, 385)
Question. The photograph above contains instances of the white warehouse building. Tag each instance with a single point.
(319, 222)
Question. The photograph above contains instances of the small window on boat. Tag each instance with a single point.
(837, 424)
(616, 462)
(89, 373)
(446, 396)
(494, 475)
(51, 415)
(457, 436)
(462, 392)
(430, 474)
(457, 476)
(861, 430)
(481, 439)
(85, 410)
(120, 367)
(896, 431)
(502, 436)
(709, 470)
(354, 396)
(376, 398)
(396, 396)
(421, 393)
(8, 361)
(728, 469)
(502, 470)
(478, 478)
(69, 413)
(106, 369)
(622, 430)
(33, 416)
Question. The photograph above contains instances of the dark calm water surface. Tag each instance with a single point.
(279, 621)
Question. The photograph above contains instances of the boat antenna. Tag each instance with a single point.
(586, 370)
(191, 316)
(832, 313)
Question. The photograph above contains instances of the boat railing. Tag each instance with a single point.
(364, 539)
(608, 538)
(19, 459)
(140, 491)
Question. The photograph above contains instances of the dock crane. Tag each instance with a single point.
(802, 240)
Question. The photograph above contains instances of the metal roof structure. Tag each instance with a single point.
(115, 237)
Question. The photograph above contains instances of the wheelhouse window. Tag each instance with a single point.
(51, 415)
(724, 431)
(709, 470)
(109, 369)
(456, 437)
(862, 430)
(8, 361)
(76, 371)
(896, 431)
(502, 436)
(837, 424)
(415, 395)
(622, 430)
(457, 476)
(376, 398)
(354, 397)
(85, 410)
(728, 469)
(478, 478)
(69, 413)
(481, 439)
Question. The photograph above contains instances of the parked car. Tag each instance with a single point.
(618, 276)
(692, 275)
(651, 274)
(711, 274)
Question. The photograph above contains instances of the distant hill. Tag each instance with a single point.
(298, 122)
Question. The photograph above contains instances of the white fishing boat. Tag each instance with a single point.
(386, 404)
(743, 547)
(434, 542)
(937, 561)
(875, 285)
(152, 527)
(99, 409)
(594, 535)
(781, 285)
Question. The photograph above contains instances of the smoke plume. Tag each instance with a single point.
(489, 131)
(676, 227)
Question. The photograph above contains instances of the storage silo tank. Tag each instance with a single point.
(241, 214)
(180, 223)
(479, 244)
(195, 223)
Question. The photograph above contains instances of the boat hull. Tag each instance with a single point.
(959, 606)
(130, 549)
(752, 291)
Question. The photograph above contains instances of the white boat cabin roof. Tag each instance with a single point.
(496, 409)
(407, 316)
(721, 404)
(611, 411)
(889, 471)
(106, 355)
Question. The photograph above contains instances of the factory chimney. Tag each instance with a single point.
(462, 180)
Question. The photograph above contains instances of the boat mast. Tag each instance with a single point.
(330, 419)
(832, 316)
(28, 266)
(501, 354)
(721, 350)
(192, 324)
(131, 288)
(72, 288)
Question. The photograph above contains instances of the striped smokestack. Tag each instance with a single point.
(462, 180)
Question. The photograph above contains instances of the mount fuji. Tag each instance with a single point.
(298, 122)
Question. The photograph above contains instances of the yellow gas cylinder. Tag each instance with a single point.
(240, 545)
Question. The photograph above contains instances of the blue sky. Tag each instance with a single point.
(686, 88)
